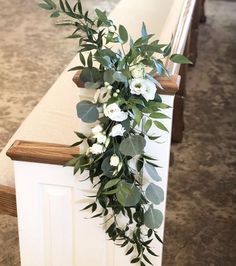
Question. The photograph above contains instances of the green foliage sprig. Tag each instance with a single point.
(125, 107)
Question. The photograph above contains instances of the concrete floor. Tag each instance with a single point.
(201, 213)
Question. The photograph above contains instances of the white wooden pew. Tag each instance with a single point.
(52, 228)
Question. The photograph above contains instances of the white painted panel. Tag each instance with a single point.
(58, 225)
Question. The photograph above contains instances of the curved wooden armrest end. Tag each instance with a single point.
(170, 85)
(40, 152)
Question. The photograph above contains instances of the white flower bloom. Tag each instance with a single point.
(103, 95)
(138, 86)
(114, 112)
(97, 129)
(114, 160)
(151, 89)
(101, 138)
(138, 71)
(144, 87)
(96, 148)
(117, 130)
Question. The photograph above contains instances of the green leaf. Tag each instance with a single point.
(50, 3)
(147, 125)
(92, 85)
(80, 135)
(82, 59)
(153, 218)
(154, 193)
(129, 251)
(144, 31)
(68, 7)
(55, 14)
(160, 126)
(90, 75)
(128, 194)
(45, 6)
(158, 115)
(76, 68)
(133, 145)
(152, 172)
(87, 111)
(123, 34)
(90, 60)
(147, 260)
(135, 260)
(101, 15)
(62, 5)
(180, 59)
(167, 50)
(112, 183)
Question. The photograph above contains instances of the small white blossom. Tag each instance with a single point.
(101, 138)
(114, 160)
(96, 148)
(117, 130)
(114, 112)
(115, 94)
(138, 71)
(97, 129)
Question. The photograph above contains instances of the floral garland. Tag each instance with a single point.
(125, 106)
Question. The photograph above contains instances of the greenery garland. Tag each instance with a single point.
(126, 105)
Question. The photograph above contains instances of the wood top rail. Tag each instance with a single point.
(170, 85)
(40, 152)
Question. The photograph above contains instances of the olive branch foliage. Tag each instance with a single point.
(119, 190)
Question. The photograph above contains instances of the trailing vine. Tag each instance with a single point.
(125, 106)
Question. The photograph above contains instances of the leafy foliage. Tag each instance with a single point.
(126, 107)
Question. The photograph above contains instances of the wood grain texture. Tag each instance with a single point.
(170, 86)
(7, 201)
(40, 152)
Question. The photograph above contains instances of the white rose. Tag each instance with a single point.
(117, 130)
(138, 71)
(114, 112)
(114, 160)
(101, 138)
(137, 86)
(97, 129)
(96, 148)
(150, 91)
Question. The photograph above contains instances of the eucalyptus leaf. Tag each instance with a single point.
(118, 76)
(154, 193)
(153, 218)
(152, 172)
(87, 111)
(133, 145)
(123, 34)
(128, 194)
(108, 76)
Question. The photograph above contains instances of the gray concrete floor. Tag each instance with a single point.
(201, 215)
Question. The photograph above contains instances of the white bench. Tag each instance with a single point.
(49, 197)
